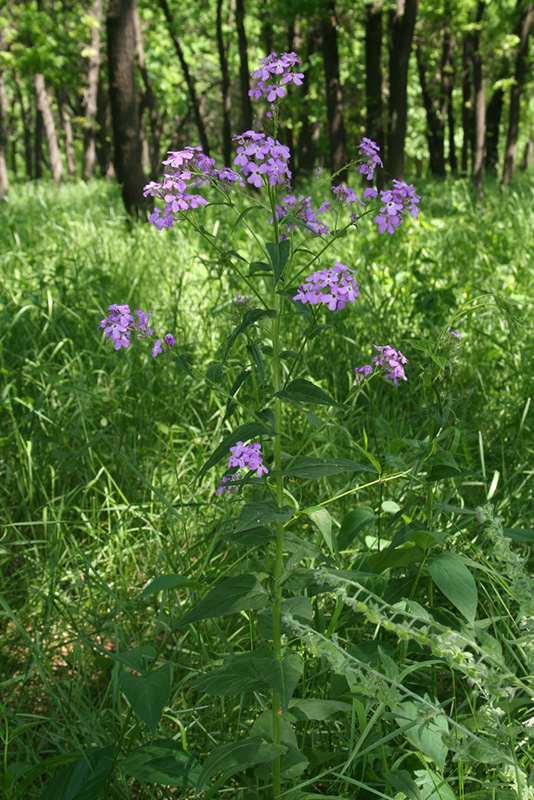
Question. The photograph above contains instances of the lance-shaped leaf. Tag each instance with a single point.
(148, 694)
(456, 582)
(83, 779)
(233, 594)
(303, 391)
(250, 318)
(237, 756)
(241, 434)
(278, 253)
(313, 467)
(162, 761)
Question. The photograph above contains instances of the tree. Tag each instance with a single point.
(123, 98)
(91, 93)
(43, 105)
(244, 76)
(225, 87)
(334, 94)
(400, 29)
(521, 65)
(479, 104)
(374, 123)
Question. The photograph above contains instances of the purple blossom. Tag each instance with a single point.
(362, 372)
(346, 196)
(238, 300)
(396, 202)
(119, 326)
(300, 207)
(224, 488)
(259, 155)
(369, 152)
(454, 333)
(390, 359)
(274, 75)
(248, 455)
(335, 287)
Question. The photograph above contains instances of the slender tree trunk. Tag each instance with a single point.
(63, 104)
(528, 155)
(225, 85)
(188, 79)
(4, 183)
(26, 129)
(448, 87)
(468, 115)
(334, 94)
(480, 106)
(38, 145)
(401, 28)
(374, 124)
(149, 101)
(435, 121)
(91, 95)
(521, 66)
(244, 76)
(103, 124)
(309, 131)
(266, 27)
(124, 108)
(43, 105)
(493, 123)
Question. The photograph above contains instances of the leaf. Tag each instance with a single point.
(434, 786)
(182, 363)
(355, 521)
(242, 433)
(323, 520)
(442, 465)
(259, 266)
(284, 676)
(313, 467)
(403, 782)
(168, 582)
(214, 373)
(456, 582)
(233, 594)
(249, 318)
(427, 735)
(239, 381)
(148, 694)
(255, 352)
(312, 709)
(256, 514)
(237, 756)
(83, 779)
(162, 761)
(278, 253)
(236, 223)
(303, 391)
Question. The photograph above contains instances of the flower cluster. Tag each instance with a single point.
(185, 169)
(456, 334)
(396, 202)
(259, 154)
(335, 287)
(300, 207)
(276, 70)
(120, 324)
(371, 160)
(388, 359)
(248, 455)
(224, 488)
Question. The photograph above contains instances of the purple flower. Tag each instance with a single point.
(396, 202)
(248, 455)
(156, 350)
(273, 75)
(238, 300)
(259, 155)
(223, 488)
(301, 208)
(335, 287)
(346, 196)
(454, 333)
(392, 360)
(119, 326)
(362, 372)
(369, 152)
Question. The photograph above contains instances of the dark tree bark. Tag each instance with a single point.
(467, 102)
(480, 105)
(195, 103)
(91, 96)
(266, 27)
(309, 131)
(123, 99)
(56, 165)
(401, 28)
(374, 124)
(435, 118)
(448, 86)
(104, 155)
(334, 95)
(493, 122)
(4, 183)
(149, 102)
(244, 76)
(63, 104)
(521, 66)
(225, 86)
(25, 116)
(38, 155)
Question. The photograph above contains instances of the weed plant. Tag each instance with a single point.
(407, 610)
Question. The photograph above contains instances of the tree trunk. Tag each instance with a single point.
(480, 105)
(149, 102)
(266, 27)
(103, 124)
(435, 121)
(4, 183)
(26, 129)
(401, 28)
(123, 98)
(63, 103)
(448, 87)
(91, 95)
(493, 122)
(38, 146)
(309, 131)
(43, 105)
(225, 85)
(334, 95)
(244, 76)
(374, 125)
(521, 66)
(188, 79)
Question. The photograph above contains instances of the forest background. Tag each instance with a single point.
(409, 667)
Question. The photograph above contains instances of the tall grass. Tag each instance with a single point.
(99, 449)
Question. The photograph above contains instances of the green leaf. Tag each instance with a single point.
(402, 781)
(259, 266)
(355, 521)
(83, 779)
(426, 736)
(148, 694)
(182, 363)
(168, 582)
(456, 582)
(257, 514)
(236, 223)
(278, 253)
(284, 676)
(303, 391)
(233, 594)
(242, 433)
(237, 756)
(214, 373)
(255, 352)
(434, 786)
(313, 467)
(162, 761)
(321, 517)
(311, 709)
(442, 465)
(138, 658)
(250, 318)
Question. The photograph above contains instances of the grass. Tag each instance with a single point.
(99, 449)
